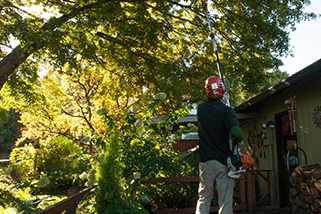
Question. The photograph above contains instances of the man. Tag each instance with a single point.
(215, 122)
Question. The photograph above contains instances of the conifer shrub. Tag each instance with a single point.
(111, 197)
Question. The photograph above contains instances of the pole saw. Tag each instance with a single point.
(237, 162)
(218, 62)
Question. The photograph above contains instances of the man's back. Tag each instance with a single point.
(215, 121)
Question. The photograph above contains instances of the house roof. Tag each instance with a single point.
(306, 73)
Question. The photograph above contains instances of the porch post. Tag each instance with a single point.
(251, 197)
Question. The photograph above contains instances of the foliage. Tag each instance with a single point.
(130, 152)
(136, 151)
(13, 199)
(71, 105)
(59, 180)
(9, 130)
(3, 112)
(118, 60)
(57, 153)
(110, 195)
(23, 161)
(41, 116)
(86, 205)
(59, 162)
(149, 45)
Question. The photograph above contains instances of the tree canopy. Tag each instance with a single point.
(151, 46)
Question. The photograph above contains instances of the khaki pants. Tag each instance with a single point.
(209, 172)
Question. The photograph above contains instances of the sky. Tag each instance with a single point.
(305, 42)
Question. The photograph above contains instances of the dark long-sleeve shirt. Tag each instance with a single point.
(215, 121)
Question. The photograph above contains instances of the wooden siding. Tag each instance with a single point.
(308, 97)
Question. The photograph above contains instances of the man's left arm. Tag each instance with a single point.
(237, 133)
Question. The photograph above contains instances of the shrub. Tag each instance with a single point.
(111, 197)
(57, 153)
(60, 161)
(23, 160)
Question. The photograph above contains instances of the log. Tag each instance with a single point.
(295, 208)
(306, 206)
(316, 174)
(314, 210)
(294, 178)
(310, 183)
(305, 193)
(317, 185)
(314, 192)
(303, 170)
(307, 211)
(309, 199)
(302, 199)
(317, 203)
(303, 186)
(293, 192)
(297, 200)
(293, 200)
(312, 171)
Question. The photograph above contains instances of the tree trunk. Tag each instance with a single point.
(12, 61)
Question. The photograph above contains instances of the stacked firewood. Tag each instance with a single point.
(305, 190)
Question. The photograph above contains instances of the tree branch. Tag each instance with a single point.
(18, 55)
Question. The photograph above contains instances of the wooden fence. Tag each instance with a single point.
(246, 190)
(265, 175)
(185, 145)
(247, 194)
(68, 205)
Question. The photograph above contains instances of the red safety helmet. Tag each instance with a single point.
(214, 88)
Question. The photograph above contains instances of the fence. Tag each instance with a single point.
(184, 145)
(246, 190)
(69, 204)
(266, 178)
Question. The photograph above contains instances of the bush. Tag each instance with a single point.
(60, 162)
(23, 161)
(56, 154)
(111, 197)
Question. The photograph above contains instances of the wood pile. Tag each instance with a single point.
(305, 189)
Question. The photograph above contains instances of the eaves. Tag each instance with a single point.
(302, 75)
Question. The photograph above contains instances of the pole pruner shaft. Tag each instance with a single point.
(219, 66)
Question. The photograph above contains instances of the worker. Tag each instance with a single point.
(216, 122)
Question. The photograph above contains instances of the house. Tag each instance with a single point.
(282, 128)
